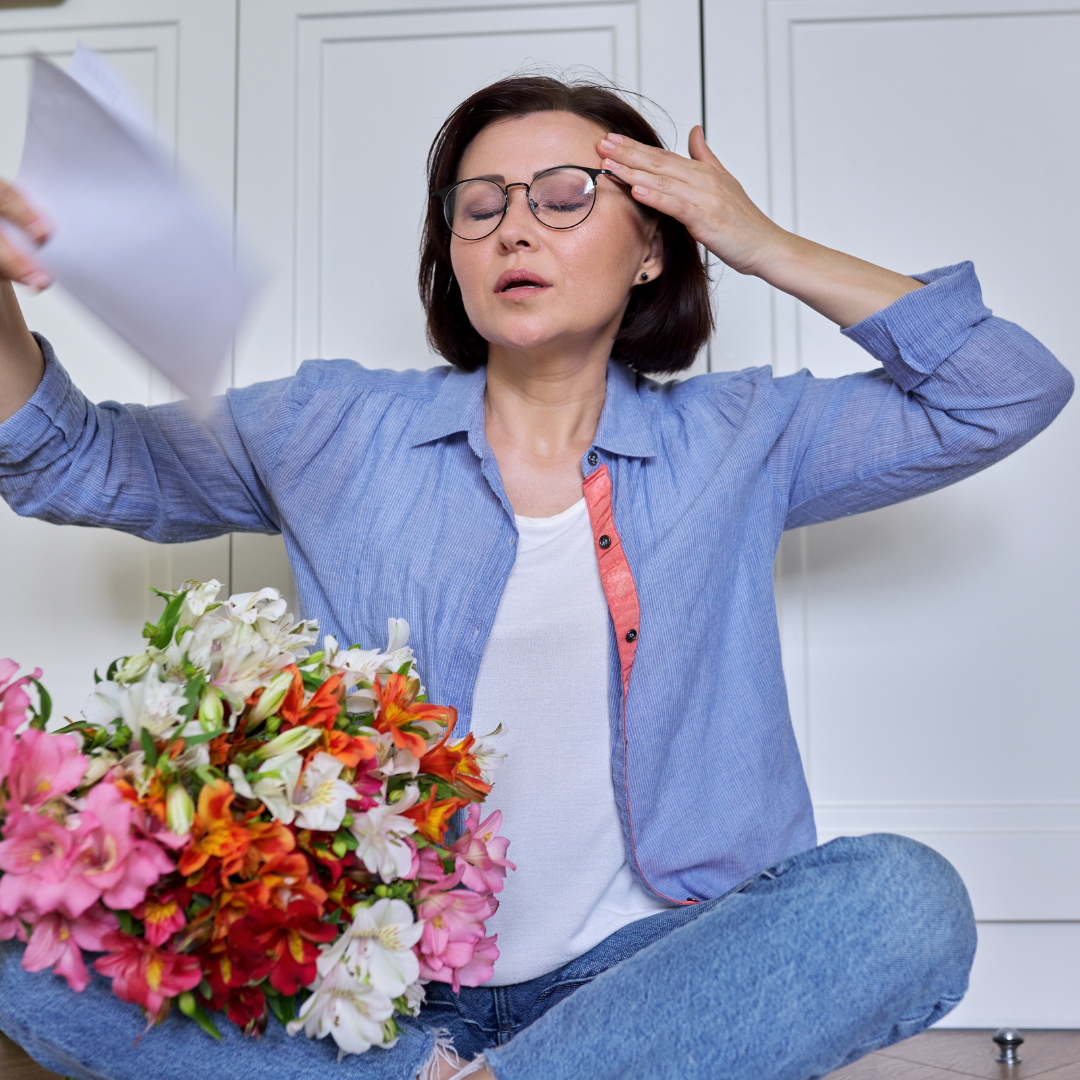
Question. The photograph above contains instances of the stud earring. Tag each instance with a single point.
(644, 277)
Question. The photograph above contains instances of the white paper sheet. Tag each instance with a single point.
(132, 242)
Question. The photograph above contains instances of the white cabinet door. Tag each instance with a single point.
(338, 105)
(73, 598)
(931, 648)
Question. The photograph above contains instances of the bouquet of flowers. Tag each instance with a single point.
(240, 823)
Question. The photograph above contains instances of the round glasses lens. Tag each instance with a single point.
(473, 209)
(562, 198)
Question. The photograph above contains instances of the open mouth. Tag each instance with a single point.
(520, 281)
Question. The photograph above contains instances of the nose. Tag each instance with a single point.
(518, 226)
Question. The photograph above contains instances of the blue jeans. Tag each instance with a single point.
(806, 967)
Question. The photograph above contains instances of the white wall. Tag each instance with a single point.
(931, 647)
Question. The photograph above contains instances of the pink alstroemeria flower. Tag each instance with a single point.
(12, 927)
(44, 767)
(36, 859)
(109, 862)
(480, 855)
(453, 930)
(146, 974)
(162, 915)
(14, 700)
(482, 965)
(57, 942)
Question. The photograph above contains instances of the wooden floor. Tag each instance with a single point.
(934, 1055)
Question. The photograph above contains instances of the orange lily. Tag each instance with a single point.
(455, 764)
(398, 709)
(215, 833)
(350, 750)
(432, 816)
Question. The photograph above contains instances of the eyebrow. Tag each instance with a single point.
(498, 178)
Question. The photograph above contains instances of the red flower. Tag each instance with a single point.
(163, 914)
(289, 939)
(145, 974)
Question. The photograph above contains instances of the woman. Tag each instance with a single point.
(585, 556)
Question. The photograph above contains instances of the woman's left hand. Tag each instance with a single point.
(699, 192)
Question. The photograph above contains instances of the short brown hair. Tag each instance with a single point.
(667, 321)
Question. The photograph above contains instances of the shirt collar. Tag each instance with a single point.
(456, 407)
(624, 427)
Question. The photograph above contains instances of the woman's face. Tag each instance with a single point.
(587, 272)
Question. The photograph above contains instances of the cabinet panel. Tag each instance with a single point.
(76, 598)
(930, 647)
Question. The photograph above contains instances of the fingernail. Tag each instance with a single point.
(39, 229)
(638, 190)
(37, 279)
(609, 164)
(607, 145)
(615, 138)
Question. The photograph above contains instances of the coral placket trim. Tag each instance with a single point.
(622, 601)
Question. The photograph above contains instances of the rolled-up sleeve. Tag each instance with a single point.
(959, 390)
(164, 473)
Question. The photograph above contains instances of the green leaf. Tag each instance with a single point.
(404, 669)
(161, 636)
(146, 740)
(127, 923)
(194, 1011)
(192, 692)
(198, 740)
(74, 725)
(122, 739)
(44, 702)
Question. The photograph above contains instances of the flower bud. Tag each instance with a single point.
(133, 668)
(179, 810)
(211, 711)
(292, 742)
(340, 848)
(271, 698)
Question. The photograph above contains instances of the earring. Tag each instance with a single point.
(644, 277)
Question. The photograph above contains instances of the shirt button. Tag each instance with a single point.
(593, 457)
(604, 541)
(631, 635)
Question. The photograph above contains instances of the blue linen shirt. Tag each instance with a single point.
(390, 502)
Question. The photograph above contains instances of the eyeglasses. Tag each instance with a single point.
(560, 198)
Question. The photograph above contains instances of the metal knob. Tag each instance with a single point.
(1008, 1040)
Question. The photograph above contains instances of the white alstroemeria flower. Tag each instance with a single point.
(390, 759)
(245, 661)
(320, 797)
(488, 756)
(134, 668)
(415, 996)
(200, 595)
(379, 833)
(266, 604)
(149, 703)
(377, 947)
(288, 742)
(101, 761)
(273, 785)
(347, 1008)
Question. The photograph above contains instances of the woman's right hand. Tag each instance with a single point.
(14, 265)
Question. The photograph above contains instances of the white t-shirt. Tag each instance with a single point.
(544, 677)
